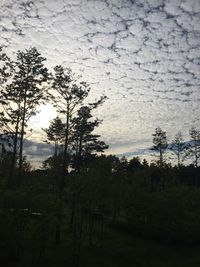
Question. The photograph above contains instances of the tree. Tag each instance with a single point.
(23, 94)
(160, 143)
(11, 123)
(178, 146)
(55, 133)
(134, 164)
(145, 163)
(68, 96)
(85, 142)
(29, 79)
(5, 73)
(6, 121)
(5, 68)
(193, 148)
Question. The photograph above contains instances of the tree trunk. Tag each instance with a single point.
(13, 160)
(79, 162)
(196, 155)
(161, 158)
(65, 153)
(62, 179)
(21, 153)
(22, 142)
(178, 159)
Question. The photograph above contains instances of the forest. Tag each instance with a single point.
(84, 207)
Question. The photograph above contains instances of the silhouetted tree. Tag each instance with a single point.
(145, 163)
(24, 93)
(55, 134)
(29, 79)
(134, 164)
(193, 148)
(85, 142)
(178, 146)
(69, 95)
(5, 74)
(160, 143)
(5, 68)
(8, 113)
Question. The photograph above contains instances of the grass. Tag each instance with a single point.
(124, 250)
(121, 250)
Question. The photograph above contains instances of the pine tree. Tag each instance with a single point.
(85, 141)
(24, 92)
(5, 68)
(178, 146)
(193, 148)
(69, 95)
(160, 143)
(55, 134)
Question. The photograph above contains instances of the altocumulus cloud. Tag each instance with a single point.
(143, 54)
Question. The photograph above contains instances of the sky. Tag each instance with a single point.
(144, 55)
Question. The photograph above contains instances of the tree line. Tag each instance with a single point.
(181, 149)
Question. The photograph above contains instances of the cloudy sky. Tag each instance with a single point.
(143, 54)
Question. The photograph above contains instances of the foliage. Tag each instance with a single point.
(178, 147)
(22, 94)
(193, 148)
(55, 133)
(160, 143)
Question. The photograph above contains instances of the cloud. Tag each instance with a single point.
(37, 152)
(144, 55)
